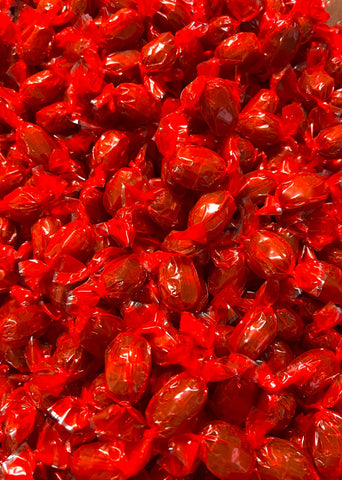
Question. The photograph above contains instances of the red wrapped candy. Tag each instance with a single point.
(171, 241)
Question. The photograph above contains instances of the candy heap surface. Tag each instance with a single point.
(171, 240)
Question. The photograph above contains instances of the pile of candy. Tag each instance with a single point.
(171, 240)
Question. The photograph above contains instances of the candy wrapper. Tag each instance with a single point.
(171, 240)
